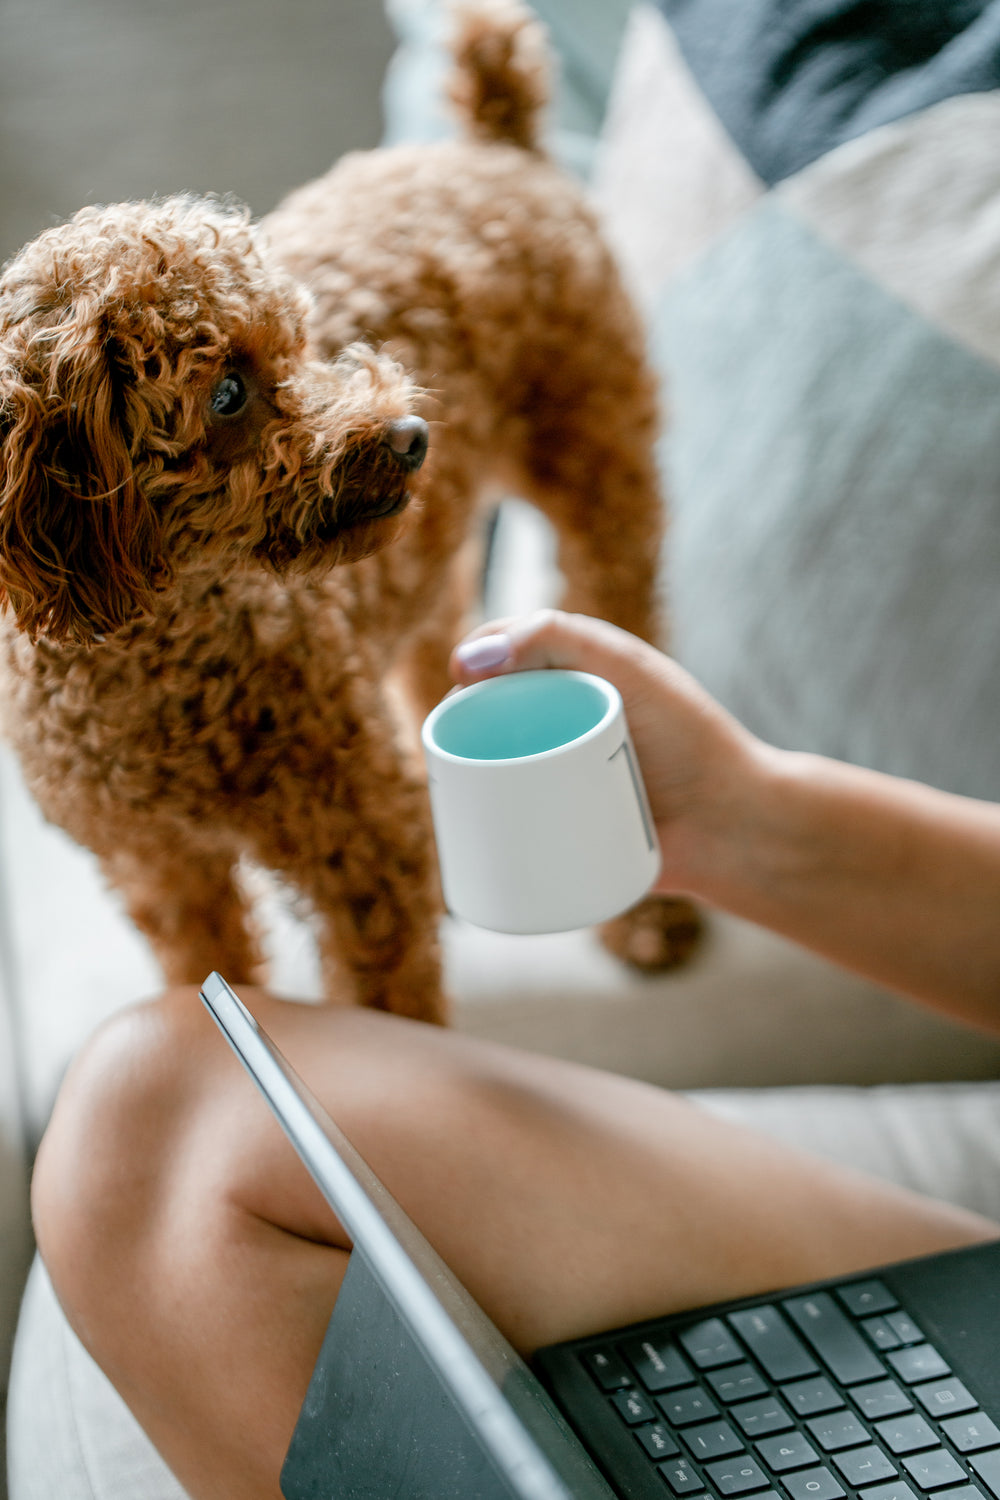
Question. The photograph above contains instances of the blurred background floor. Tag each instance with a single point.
(102, 100)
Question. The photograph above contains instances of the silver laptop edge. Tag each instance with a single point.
(435, 1307)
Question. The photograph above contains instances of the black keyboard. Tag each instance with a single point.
(835, 1393)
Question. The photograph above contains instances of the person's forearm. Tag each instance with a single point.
(892, 879)
(886, 877)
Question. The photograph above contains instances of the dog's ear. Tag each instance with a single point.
(79, 544)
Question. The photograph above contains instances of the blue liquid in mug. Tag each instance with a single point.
(524, 714)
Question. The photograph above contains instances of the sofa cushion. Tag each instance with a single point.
(69, 1432)
(15, 1229)
(827, 321)
(792, 79)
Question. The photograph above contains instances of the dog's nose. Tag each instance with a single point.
(408, 438)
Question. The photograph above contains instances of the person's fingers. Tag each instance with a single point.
(692, 752)
(548, 638)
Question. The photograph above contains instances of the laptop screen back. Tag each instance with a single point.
(415, 1391)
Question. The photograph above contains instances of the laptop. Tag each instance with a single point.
(879, 1386)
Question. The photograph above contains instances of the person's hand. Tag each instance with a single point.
(697, 761)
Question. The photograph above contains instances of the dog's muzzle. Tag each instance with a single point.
(407, 441)
(376, 491)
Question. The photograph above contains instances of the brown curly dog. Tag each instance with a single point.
(218, 535)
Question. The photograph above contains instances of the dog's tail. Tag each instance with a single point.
(501, 79)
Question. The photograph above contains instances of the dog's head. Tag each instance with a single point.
(159, 412)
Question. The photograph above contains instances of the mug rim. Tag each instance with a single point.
(613, 702)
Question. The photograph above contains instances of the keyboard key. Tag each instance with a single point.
(682, 1477)
(967, 1492)
(933, 1471)
(919, 1362)
(882, 1399)
(736, 1383)
(862, 1297)
(834, 1338)
(904, 1328)
(839, 1429)
(813, 1484)
(682, 1408)
(987, 1466)
(758, 1418)
(945, 1398)
(607, 1369)
(807, 1397)
(896, 1489)
(881, 1333)
(739, 1477)
(773, 1343)
(712, 1440)
(657, 1363)
(972, 1432)
(632, 1407)
(791, 1451)
(710, 1343)
(657, 1441)
(906, 1434)
(861, 1466)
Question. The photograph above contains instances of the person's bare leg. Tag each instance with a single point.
(199, 1265)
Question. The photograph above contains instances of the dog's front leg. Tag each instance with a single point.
(377, 897)
(184, 896)
(353, 835)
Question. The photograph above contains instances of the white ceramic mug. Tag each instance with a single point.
(540, 814)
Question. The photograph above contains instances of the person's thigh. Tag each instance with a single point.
(199, 1264)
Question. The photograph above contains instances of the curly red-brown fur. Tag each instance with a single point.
(214, 542)
(115, 327)
(501, 84)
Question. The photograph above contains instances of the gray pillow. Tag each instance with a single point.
(830, 344)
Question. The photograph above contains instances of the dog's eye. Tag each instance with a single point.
(229, 396)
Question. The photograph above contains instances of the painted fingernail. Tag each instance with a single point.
(488, 651)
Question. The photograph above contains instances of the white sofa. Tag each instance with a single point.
(765, 1031)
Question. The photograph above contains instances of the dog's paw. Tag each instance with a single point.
(661, 932)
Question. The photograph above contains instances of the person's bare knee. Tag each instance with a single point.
(170, 1280)
(103, 1174)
